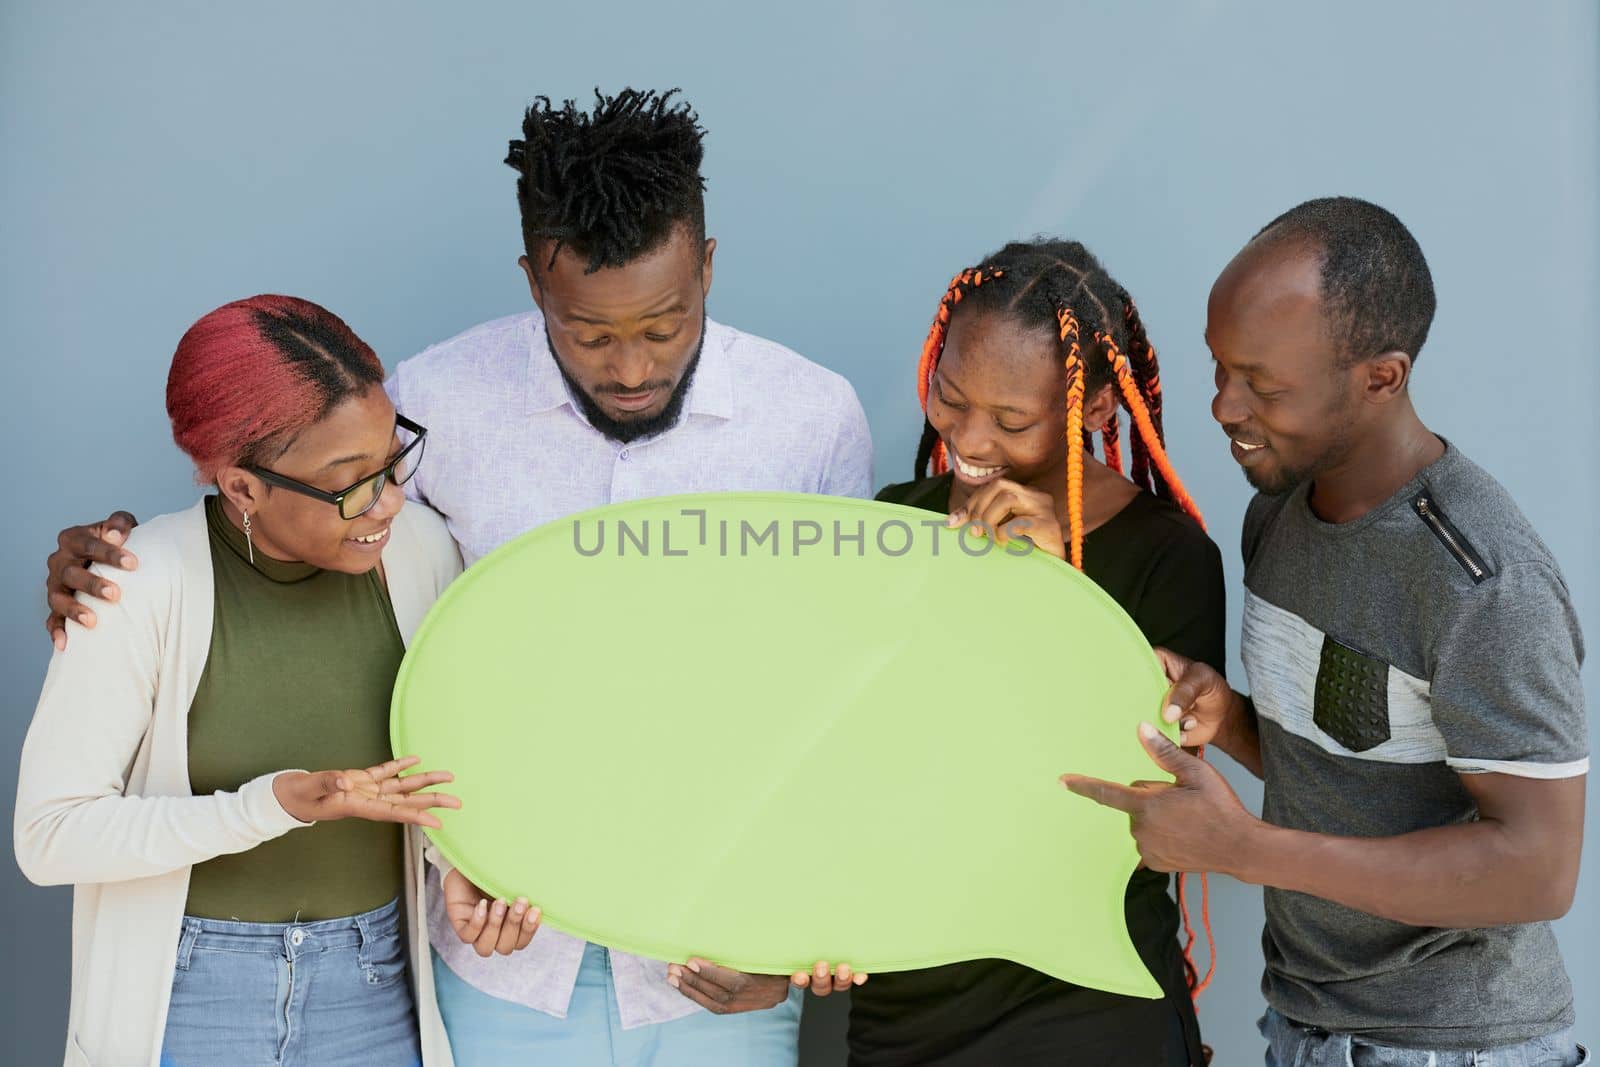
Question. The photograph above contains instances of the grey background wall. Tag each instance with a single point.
(158, 160)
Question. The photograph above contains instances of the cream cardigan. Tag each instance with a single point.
(103, 800)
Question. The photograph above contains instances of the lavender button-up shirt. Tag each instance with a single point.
(508, 450)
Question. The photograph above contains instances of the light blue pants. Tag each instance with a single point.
(1293, 1045)
(322, 994)
(486, 1031)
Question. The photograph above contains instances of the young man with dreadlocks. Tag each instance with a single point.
(1416, 712)
(1033, 325)
(615, 386)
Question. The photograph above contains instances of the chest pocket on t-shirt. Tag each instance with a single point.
(1352, 697)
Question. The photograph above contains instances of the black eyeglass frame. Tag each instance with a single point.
(283, 481)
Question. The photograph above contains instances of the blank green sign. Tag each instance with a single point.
(768, 729)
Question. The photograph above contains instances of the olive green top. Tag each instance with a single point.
(299, 674)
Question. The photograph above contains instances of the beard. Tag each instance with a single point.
(1286, 478)
(1279, 483)
(624, 431)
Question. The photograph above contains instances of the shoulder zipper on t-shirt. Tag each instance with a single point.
(1450, 537)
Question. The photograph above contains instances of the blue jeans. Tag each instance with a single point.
(322, 994)
(486, 1031)
(1291, 1045)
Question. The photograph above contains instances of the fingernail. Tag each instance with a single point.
(1171, 713)
(113, 536)
(693, 966)
(483, 906)
(673, 982)
(1188, 724)
(1149, 732)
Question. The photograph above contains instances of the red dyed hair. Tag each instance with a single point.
(252, 374)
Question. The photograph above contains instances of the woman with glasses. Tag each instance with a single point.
(209, 766)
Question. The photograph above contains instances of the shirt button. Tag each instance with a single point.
(297, 937)
(623, 454)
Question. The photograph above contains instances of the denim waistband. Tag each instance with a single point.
(289, 940)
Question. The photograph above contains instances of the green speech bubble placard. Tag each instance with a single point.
(768, 729)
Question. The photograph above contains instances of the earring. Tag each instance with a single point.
(249, 545)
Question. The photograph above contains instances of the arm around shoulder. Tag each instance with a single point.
(102, 695)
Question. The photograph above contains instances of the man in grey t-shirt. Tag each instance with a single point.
(1416, 712)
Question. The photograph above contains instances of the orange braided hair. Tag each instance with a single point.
(1140, 389)
(1139, 382)
(1192, 977)
(1147, 373)
(1075, 383)
(1111, 435)
(933, 347)
(1148, 434)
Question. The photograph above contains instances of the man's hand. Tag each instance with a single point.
(67, 571)
(490, 927)
(1193, 824)
(1207, 711)
(724, 991)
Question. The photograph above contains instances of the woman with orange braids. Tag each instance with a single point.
(1030, 355)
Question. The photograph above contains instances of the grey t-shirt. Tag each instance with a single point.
(1388, 656)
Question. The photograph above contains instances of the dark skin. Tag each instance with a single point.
(994, 376)
(996, 402)
(353, 440)
(995, 397)
(1281, 384)
(626, 335)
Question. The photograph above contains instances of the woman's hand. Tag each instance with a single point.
(822, 980)
(725, 991)
(378, 794)
(1012, 512)
(490, 927)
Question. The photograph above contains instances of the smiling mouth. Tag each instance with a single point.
(968, 470)
(376, 538)
(1245, 446)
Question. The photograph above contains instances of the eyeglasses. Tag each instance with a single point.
(358, 499)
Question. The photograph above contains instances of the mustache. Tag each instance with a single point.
(1237, 429)
(617, 389)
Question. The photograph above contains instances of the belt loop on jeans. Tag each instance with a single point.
(190, 932)
(364, 951)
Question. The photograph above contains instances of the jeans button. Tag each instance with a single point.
(297, 937)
